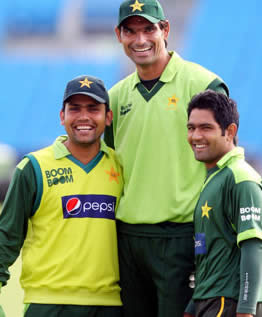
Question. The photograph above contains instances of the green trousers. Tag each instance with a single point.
(156, 262)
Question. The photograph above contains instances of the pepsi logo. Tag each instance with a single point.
(89, 206)
(73, 206)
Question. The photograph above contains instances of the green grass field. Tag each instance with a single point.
(11, 297)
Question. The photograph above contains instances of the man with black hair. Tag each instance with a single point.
(227, 218)
(162, 179)
(60, 210)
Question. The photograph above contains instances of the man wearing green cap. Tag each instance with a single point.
(162, 179)
(60, 207)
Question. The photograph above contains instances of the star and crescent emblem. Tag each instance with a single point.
(137, 6)
(205, 210)
(173, 101)
(85, 83)
(113, 175)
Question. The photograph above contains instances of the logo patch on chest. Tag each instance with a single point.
(59, 176)
(200, 243)
(125, 109)
(89, 206)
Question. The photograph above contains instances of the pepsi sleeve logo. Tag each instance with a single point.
(200, 243)
(89, 206)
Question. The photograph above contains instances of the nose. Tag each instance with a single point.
(140, 38)
(84, 114)
(194, 135)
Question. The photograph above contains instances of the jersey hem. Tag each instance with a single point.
(76, 297)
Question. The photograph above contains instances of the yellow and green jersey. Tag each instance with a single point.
(162, 177)
(227, 214)
(63, 213)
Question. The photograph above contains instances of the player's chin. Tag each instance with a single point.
(200, 156)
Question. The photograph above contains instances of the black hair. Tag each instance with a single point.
(163, 25)
(224, 108)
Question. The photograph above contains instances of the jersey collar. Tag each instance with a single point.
(168, 73)
(237, 152)
(61, 151)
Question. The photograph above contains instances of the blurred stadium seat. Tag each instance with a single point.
(224, 36)
(25, 17)
(100, 15)
(31, 97)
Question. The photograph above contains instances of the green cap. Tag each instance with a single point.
(148, 9)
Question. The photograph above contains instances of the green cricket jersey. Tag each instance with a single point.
(228, 213)
(162, 179)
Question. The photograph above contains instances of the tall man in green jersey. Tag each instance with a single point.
(162, 179)
(227, 219)
(60, 209)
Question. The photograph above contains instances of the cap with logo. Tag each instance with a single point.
(148, 9)
(89, 86)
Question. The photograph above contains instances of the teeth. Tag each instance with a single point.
(84, 128)
(200, 146)
(142, 49)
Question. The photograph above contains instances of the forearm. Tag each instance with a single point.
(250, 277)
(14, 218)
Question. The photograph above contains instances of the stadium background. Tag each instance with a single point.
(44, 44)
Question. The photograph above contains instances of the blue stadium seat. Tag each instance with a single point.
(100, 16)
(33, 17)
(3, 10)
(31, 97)
(226, 38)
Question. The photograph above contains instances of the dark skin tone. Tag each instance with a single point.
(84, 120)
(144, 43)
(209, 145)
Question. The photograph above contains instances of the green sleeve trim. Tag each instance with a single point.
(245, 172)
(219, 86)
(23, 163)
(249, 234)
(39, 182)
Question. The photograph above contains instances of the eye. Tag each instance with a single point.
(127, 31)
(73, 108)
(150, 29)
(94, 108)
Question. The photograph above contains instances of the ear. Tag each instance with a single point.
(231, 131)
(62, 117)
(166, 30)
(109, 117)
(118, 34)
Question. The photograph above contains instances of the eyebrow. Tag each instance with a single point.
(88, 105)
(204, 124)
(126, 28)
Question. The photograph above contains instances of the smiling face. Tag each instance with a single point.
(206, 139)
(84, 120)
(143, 41)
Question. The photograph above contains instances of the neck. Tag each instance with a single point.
(152, 71)
(83, 152)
